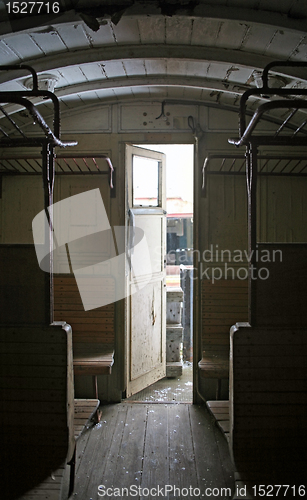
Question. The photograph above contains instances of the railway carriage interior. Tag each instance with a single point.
(85, 300)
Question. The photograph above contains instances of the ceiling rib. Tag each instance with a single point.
(151, 51)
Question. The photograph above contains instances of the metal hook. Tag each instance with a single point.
(162, 112)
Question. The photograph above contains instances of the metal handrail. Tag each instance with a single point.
(49, 134)
(263, 108)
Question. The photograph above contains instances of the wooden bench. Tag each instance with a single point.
(36, 410)
(40, 421)
(215, 365)
(92, 330)
(224, 303)
(268, 426)
(220, 411)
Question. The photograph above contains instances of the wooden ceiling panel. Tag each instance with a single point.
(48, 41)
(105, 94)
(24, 46)
(283, 44)
(231, 35)
(73, 36)
(7, 55)
(300, 53)
(126, 31)
(177, 67)
(205, 31)
(73, 75)
(179, 30)
(123, 91)
(152, 30)
(92, 71)
(156, 67)
(71, 101)
(114, 69)
(135, 67)
(104, 36)
(198, 68)
(218, 71)
(257, 38)
(238, 74)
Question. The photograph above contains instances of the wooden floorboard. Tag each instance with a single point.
(98, 458)
(149, 446)
(181, 449)
(156, 447)
(129, 463)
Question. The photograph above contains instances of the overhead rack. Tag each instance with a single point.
(64, 164)
(283, 136)
(47, 163)
(267, 165)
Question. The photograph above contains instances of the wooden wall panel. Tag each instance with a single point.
(227, 212)
(224, 303)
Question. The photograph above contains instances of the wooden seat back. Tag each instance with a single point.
(37, 405)
(224, 303)
(93, 331)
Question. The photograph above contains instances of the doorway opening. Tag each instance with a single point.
(177, 386)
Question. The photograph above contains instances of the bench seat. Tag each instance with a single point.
(214, 365)
(92, 359)
(84, 413)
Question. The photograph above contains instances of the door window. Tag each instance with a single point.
(146, 180)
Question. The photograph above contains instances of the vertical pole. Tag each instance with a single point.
(48, 184)
(51, 173)
(251, 177)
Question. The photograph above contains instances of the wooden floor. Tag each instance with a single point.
(150, 446)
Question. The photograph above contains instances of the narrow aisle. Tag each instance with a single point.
(153, 450)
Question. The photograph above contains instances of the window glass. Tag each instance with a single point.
(145, 182)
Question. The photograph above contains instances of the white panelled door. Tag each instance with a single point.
(146, 287)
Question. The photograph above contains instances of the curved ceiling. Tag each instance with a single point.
(101, 51)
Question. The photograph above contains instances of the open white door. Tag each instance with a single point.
(146, 287)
